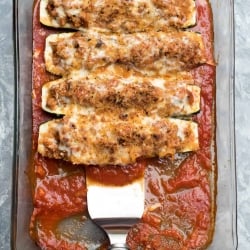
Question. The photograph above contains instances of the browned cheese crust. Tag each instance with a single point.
(105, 139)
(119, 15)
(155, 52)
(164, 96)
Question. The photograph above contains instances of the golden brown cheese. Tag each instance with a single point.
(165, 96)
(149, 53)
(118, 15)
(104, 139)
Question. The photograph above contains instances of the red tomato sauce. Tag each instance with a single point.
(180, 193)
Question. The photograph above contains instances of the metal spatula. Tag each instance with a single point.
(115, 208)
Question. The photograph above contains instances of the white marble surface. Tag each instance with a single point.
(6, 120)
(242, 114)
(242, 108)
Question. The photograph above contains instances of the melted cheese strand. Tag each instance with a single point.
(118, 15)
(162, 96)
(104, 139)
(148, 53)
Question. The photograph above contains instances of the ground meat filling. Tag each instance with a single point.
(123, 16)
(113, 141)
(122, 95)
(154, 52)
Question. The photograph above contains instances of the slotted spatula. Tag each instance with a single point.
(115, 208)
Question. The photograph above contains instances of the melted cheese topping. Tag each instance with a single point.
(118, 15)
(122, 76)
(149, 53)
(105, 139)
(162, 96)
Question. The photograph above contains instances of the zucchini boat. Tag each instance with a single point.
(149, 53)
(164, 96)
(103, 139)
(118, 15)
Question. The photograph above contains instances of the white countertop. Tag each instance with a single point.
(242, 114)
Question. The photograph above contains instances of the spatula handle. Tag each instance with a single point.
(118, 247)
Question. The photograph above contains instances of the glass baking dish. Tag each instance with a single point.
(225, 236)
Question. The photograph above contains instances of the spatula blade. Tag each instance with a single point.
(115, 208)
